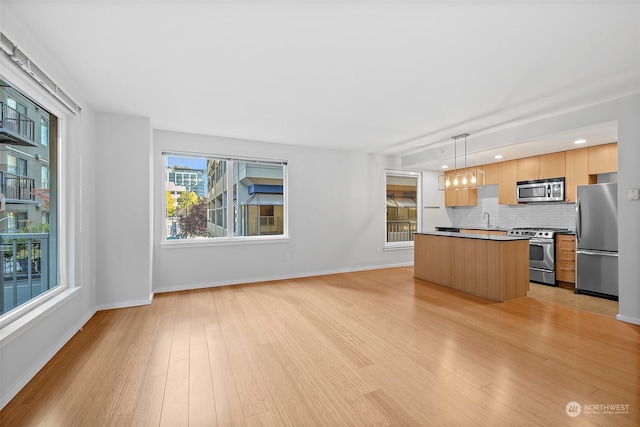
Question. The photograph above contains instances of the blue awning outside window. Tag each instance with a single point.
(261, 199)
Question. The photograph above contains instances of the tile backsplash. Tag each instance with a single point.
(560, 215)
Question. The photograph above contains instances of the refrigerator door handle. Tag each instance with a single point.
(583, 252)
(578, 220)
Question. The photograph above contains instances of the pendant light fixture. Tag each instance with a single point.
(466, 178)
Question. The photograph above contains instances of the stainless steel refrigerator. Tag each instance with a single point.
(597, 240)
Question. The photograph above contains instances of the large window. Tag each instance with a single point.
(403, 201)
(28, 182)
(212, 197)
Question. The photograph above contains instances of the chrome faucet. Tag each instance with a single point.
(486, 214)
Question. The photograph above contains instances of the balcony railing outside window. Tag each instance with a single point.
(15, 187)
(19, 124)
(25, 272)
(401, 231)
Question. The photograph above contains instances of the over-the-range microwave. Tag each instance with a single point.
(540, 190)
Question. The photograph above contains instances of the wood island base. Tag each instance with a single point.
(492, 267)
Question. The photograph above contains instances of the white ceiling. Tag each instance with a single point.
(441, 155)
(387, 77)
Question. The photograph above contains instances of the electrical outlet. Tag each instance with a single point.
(378, 250)
(287, 257)
(633, 193)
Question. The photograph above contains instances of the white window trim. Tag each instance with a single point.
(229, 239)
(18, 320)
(408, 245)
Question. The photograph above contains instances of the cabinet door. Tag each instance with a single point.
(566, 258)
(508, 176)
(450, 196)
(603, 158)
(577, 171)
(552, 165)
(468, 197)
(491, 175)
(461, 196)
(528, 168)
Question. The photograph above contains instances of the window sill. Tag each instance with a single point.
(222, 241)
(398, 246)
(25, 317)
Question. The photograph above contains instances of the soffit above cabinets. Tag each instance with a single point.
(483, 149)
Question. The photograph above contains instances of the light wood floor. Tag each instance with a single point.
(368, 348)
(569, 298)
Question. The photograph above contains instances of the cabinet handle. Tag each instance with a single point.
(567, 269)
(565, 249)
(568, 259)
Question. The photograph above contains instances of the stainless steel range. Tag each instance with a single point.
(542, 252)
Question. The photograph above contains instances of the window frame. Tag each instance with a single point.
(230, 238)
(406, 244)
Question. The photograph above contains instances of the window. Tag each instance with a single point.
(44, 177)
(12, 164)
(16, 165)
(20, 108)
(16, 221)
(22, 167)
(208, 197)
(28, 226)
(402, 201)
(44, 131)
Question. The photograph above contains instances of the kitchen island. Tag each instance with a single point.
(485, 265)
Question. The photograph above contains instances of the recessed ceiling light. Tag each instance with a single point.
(497, 156)
(579, 141)
(445, 167)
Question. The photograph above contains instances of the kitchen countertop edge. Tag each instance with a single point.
(474, 236)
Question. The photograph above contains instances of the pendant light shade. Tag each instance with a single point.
(463, 178)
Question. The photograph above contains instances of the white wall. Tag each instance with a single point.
(336, 218)
(434, 213)
(123, 210)
(628, 110)
(27, 345)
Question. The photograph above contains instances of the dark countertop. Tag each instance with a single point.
(464, 227)
(475, 236)
(570, 232)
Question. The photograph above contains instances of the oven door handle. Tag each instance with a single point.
(541, 241)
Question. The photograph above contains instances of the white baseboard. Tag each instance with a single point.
(125, 304)
(272, 278)
(628, 319)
